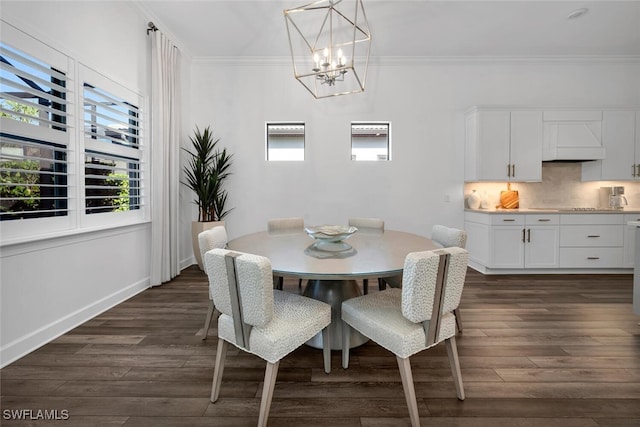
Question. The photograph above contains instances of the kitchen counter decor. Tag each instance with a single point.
(509, 198)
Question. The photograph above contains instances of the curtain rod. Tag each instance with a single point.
(151, 27)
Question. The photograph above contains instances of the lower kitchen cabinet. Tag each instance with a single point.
(519, 242)
(629, 241)
(513, 241)
(592, 241)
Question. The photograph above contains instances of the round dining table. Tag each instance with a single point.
(333, 268)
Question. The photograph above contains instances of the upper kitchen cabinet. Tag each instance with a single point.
(572, 135)
(621, 139)
(503, 145)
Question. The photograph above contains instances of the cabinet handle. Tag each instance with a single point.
(544, 219)
(593, 235)
(508, 170)
(593, 257)
(638, 170)
(513, 171)
(633, 170)
(508, 220)
(523, 231)
(529, 235)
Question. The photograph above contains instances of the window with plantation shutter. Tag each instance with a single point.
(72, 156)
(112, 148)
(34, 136)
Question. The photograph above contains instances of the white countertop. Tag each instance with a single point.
(628, 210)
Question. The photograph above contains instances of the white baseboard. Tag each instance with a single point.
(187, 262)
(30, 342)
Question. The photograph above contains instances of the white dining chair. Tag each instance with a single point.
(444, 237)
(448, 237)
(215, 237)
(367, 224)
(260, 320)
(285, 225)
(415, 317)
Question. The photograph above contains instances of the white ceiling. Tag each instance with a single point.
(416, 28)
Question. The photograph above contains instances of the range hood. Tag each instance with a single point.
(572, 136)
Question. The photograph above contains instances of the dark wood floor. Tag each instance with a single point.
(535, 351)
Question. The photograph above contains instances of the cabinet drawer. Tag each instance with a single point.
(579, 219)
(507, 219)
(542, 219)
(591, 257)
(591, 236)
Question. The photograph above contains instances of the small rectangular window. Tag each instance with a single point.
(285, 141)
(370, 141)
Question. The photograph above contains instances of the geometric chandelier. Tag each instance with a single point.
(330, 43)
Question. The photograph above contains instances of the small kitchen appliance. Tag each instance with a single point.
(612, 197)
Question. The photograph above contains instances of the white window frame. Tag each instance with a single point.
(29, 229)
(372, 124)
(285, 124)
(76, 221)
(107, 219)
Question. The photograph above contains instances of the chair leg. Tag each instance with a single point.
(346, 342)
(365, 286)
(456, 312)
(221, 353)
(382, 285)
(452, 352)
(208, 319)
(409, 391)
(270, 375)
(326, 349)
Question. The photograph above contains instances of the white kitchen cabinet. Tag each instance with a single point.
(513, 241)
(621, 140)
(503, 145)
(592, 241)
(629, 240)
(541, 248)
(507, 246)
(528, 243)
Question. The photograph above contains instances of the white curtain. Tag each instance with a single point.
(165, 155)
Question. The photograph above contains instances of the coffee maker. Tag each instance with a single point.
(612, 197)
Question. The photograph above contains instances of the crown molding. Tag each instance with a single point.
(427, 60)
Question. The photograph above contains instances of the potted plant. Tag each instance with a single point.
(206, 170)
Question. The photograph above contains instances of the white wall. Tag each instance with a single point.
(424, 100)
(50, 286)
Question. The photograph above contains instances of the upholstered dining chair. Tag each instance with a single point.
(371, 224)
(215, 237)
(415, 317)
(448, 237)
(260, 320)
(284, 225)
(444, 237)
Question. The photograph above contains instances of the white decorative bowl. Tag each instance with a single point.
(330, 233)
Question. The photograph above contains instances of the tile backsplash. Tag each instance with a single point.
(561, 187)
